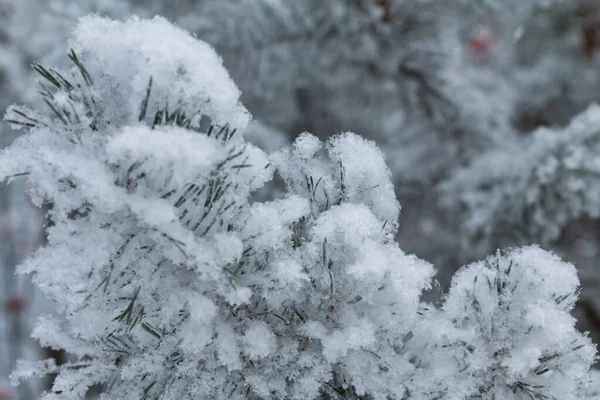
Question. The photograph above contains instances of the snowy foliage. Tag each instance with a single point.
(160, 262)
(175, 284)
(436, 84)
(529, 192)
(505, 332)
(301, 65)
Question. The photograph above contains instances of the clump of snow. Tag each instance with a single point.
(186, 73)
(508, 331)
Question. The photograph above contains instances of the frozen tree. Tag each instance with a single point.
(171, 281)
(553, 67)
(440, 86)
(518, 193)
(436, 84)
(391, 69)
(504, 332)
(451, 91)
(175, 284)
(21, 23)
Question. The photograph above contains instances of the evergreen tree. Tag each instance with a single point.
(174, 283)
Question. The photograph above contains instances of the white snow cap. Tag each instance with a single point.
(183, 68)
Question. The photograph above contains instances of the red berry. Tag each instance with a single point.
(16, 304)
(480, 43)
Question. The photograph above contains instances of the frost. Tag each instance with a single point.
(338, 344)
(227, 348)
(259, 341)
(515, 194)
(176, 282)
(174, 266)
(511, 333)
(367, 178)
(181, 67)
(306, 146)
(356, 172)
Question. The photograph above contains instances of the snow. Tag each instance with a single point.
(175, 282)
(181, 67)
